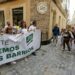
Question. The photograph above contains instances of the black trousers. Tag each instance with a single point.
(66, 41)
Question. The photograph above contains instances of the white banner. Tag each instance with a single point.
(14, 47)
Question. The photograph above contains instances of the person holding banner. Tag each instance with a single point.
(7, 25)
(33, 26)
(8, 28)
(23, 27)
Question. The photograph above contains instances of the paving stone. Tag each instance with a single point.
(50, 60)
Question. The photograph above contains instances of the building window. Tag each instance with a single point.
(2, 19)
(17, 15)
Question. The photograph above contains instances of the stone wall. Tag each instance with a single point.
(42, 19)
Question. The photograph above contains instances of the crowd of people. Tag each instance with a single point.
(15, 29)
(67, 37)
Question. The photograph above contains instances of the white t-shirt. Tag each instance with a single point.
(32, 28)
(24, 31)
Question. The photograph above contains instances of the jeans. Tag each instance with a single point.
(66, 41)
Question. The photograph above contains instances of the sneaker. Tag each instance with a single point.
(13, 62)
(26, 59)
(34, 53)
(69, 50)
(63, 49)
(8, 63)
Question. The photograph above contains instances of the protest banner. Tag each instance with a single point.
(14, 47)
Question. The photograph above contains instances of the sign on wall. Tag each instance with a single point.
(42, 7)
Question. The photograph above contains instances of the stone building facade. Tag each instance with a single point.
(42, 19)
(55, 15)
(7, 8)
(47, 13)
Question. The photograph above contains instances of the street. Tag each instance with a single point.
(27, 24)
(50, 60)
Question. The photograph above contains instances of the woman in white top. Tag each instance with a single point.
(23, 27)
(33, 26)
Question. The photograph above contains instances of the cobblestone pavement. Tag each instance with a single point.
(50, 60)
